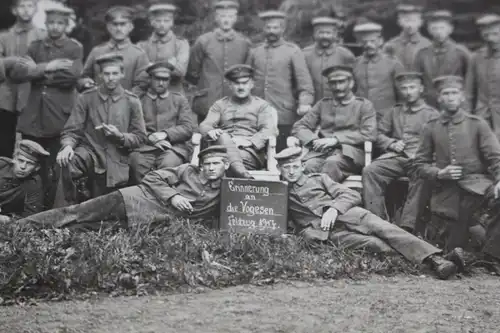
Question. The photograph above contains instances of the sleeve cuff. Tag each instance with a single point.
(340, 207)
(257, 144)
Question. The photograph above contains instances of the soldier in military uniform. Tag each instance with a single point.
(462, 155)
(398, 136)
(13, 96)
(345, 122)
(164, 45)
(119, 25)
(443, 57)
(321, 209)
(185, 191)
(21, 190)
(281, 75)
(53, 90)
(374, 71)
(211, 56)
(242, 123)
(324, 53)
(406, 45)
(105, 125)
(169, 125)
(483, 78)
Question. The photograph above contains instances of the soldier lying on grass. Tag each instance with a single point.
(322, 209)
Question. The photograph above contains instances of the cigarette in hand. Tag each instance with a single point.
(99, 127)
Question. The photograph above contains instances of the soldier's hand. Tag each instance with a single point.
(451, 172)
(58, 64)
(325, 143)
(397, 146)
(496, 190)
(163, 145)
(329, 218)
(242, 142)
(303, 109)
(181, 203)
(157, 136)
(86, 83)
(10, 62)
(65, 155)
(214, 134)
(111, 130)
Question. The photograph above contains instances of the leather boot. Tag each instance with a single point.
(444, 268)
(457, 256)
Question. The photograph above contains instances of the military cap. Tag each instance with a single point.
(488, 20)
(239, 71)
(288, 155)
(160, 69)
(109, 58)
(116, 12)
(439, 15)
(162, 8)
(17, 2)
(59, 10)
(367, 28)
(32, 150)
(448, 81)
(325, 20)
(272, 14)
(337, 72)
(213, 151)
(407, 76)
(407, 8)
(227, 4)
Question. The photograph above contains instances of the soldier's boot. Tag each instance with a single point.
(443, 268)
(457, 256)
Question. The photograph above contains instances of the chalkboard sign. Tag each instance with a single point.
(254, 206)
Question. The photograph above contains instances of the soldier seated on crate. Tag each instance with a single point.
(322, 209)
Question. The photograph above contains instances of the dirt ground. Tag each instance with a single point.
(399, 304)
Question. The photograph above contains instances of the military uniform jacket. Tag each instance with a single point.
(135, 63)
(282, 78)
(172, 49)
(318, 59)
(22, 197)
(169, 113)
(53, 95)
(352, 122)
(405, 123)
(483, 87)
(255, 120)
(15, 42)
(93, 108)
(211, 55)
(464, 140)
(375, 80)
(405, 49)
(149, 202)
(447, 59)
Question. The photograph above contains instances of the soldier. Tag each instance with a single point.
(164, 45)
(119, 25)
(212, 54)
(169, 125)
(398, 137)
(345, 122)
(21, 191)
(322, 209)
(242, 123)
(443, 57)
(405, 46)
(281, 75)
(13, 96)
(325, 52)
(483, 78)
(186, 191)
(374, 71)
(462, 155)
(53, 93)
(105, 124)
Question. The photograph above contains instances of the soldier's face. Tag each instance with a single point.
(371, 43)
(162, 23)
(451, 99)
(292, 171)
(274, 29)
(160, 85)
(411, 90)
(410, 22)
(226, 18)
(242, 87)
(214, 167)
(440, 30)
(325, 36)
(24, 167)
(491, 35)
(25, 10)
(341, 87)
(56, 26)
(111, 76)
(120, 28)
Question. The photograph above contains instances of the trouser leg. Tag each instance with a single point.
(250, 160)
(339, 167)
(8, 124)
(314, 164)
(356, 241)
(140, 164)
(237, 168)
(168, 159)
(283, 134)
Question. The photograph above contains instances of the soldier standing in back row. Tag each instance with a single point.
(281, 75)
(324, 53)
(164, 45)
(212, 54)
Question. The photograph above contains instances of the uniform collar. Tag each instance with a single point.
(456, 118)
(346, 101)
(213, 184)
(419, 105)
(57, 43)
(302, 180)
(490, 53)
(116, 95)
(119, 46)
(18, 28)
(441, 48)
(279, 42)
(162, 40)
(329, 51)
(413, 39)
(154, 96)
(373, 59)
(224, 36)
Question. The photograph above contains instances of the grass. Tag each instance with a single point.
(62, 264)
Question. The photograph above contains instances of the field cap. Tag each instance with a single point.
(32, 150)
(61, 10)
(439, 15)
(337, 72)
(408, 8)
(272, 14)
(119, 12)
(161, 70)
(109, 58)
(213, 151)
(239, 71)
(408, 76)
(448, 81)
(488, 20)
(324, 20)
(227, 4)
(367, 28)
(162, 8)
(289, 155)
